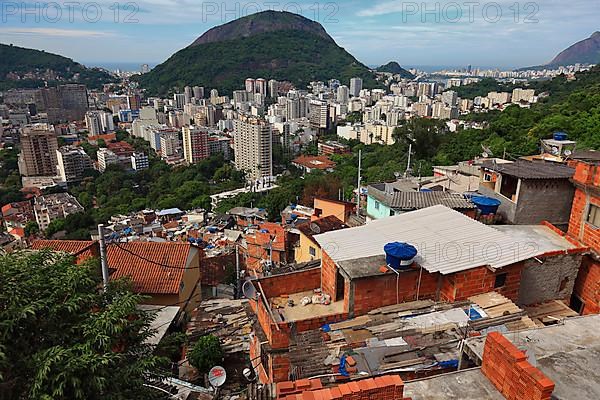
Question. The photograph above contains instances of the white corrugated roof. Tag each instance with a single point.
(447, 241)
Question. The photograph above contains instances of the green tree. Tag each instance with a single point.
(31, 228)
(206, 353)
(63, 338)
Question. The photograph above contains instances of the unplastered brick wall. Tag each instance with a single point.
(509, 371)
(328, 276)
(462, 285)
(294, 282)
(587, 286)
(384, 290)
(388, 387)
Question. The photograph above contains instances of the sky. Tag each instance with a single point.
(501, 33)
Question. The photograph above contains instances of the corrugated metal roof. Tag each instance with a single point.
(418, 200)
(532, 169)
(447, 241)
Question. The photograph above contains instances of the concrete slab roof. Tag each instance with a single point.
(541, 237)
(568, 353)
(461, 385)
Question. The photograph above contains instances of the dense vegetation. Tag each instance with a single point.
(21, 60)
(62, 338)
(294, 56)
(394, 68)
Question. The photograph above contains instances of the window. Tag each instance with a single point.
(312, 251)
(500, 280)
(594, 215)
(508, 188)
(376, 205)
(487, 177)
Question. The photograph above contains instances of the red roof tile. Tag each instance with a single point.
(148, 277)
(82, 248)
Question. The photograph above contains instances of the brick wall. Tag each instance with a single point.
(510, 372)
(214, 269)
(462, 285)
(388, 387)
(375, 292)
(587, 285)
(328, 276)
(294, 282)
(578, 227)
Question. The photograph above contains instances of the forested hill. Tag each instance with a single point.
(21, 67)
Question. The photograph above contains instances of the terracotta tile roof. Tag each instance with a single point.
(82, 248)
(314, 162)
(147, 277)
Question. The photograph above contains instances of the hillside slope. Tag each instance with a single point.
(22, 67)
(269, 45)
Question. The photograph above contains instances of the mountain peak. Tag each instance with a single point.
(586, 51)
(261, 22)
(393, 67)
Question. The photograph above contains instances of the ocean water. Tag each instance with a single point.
(123, 66)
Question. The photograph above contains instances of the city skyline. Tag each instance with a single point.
(412, 33)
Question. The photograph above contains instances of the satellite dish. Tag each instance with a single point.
(217, 376)
(485, 155)
(397, 174)
(315, 228)
(555, 150)
(568, 153)
(249, 291)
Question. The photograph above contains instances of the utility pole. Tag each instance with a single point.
(408, 163)
(358, 184)
(103, 261)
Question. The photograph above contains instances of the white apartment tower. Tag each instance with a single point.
(253, 147)
(356, 85)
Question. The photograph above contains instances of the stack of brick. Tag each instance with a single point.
(389, 387)
(510, 372)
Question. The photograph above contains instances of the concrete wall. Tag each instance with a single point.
(302, 252)
(537, 200)
(542, 282)
(544, 200)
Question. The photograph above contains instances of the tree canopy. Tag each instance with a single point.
(62, 338)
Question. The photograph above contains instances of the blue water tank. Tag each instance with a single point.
(560, 136)
(399, 255)
(487, 205)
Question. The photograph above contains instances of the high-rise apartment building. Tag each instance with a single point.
(450, 98)
(38, 151)
(273, 88)
(106, 158)
(93, 123)
(356, 85)
(253, 147)
(198, 92)
(72, 163)
(343, 94)
(261, 86)
(170, 144)
(195, 144)
(134, 102)
(319, 114)
(187, 94)
(139, 161)
(527, 95)
(179, 100)
(250, 85)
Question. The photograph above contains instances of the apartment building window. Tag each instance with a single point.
(376, 205)
(312, 251)
(593, 217)
(487, 177)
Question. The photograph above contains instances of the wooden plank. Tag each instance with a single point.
(358, 321)
(490, 299)
(411, 305)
